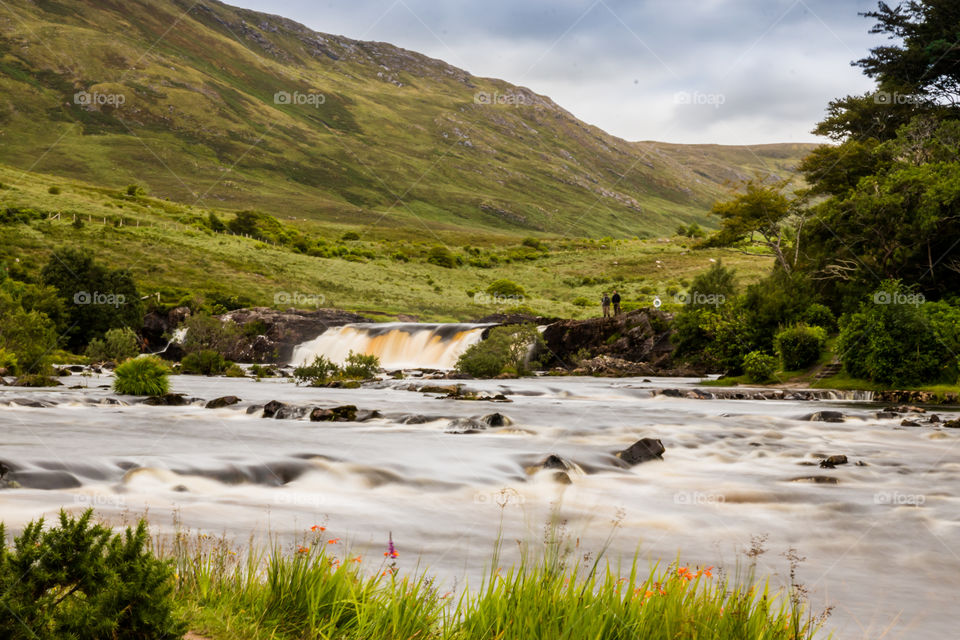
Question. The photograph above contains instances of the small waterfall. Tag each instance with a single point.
(399, 345)
(176, 338)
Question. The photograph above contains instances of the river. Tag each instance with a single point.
(880, 535)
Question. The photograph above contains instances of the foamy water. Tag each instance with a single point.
(398, 345)
(880, 544)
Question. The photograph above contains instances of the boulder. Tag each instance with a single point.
(415, 419)
(832, 461)
(952, 424)
(496, 420)
(909, 423)
(464, 426)
(345, 413)
(825, 416)
(167, 400)
(887, 415)
(367, 414)
(641, 451)
(223, 401)
(271, 408)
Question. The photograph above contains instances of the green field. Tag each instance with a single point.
(169, 250)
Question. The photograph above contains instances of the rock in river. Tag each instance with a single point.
(641, 451)
(224, 401)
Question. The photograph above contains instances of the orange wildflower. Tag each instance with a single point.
(333, 540)
(317, 527)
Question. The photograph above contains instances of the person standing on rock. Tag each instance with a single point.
(616, 303)
(605, 303)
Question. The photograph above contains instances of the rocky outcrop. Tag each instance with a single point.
(281, 331)
(641, 336)
(224, 401)
(642, 450)
(345, 413)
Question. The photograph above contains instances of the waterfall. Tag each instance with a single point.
(176, 338)
(399, 345)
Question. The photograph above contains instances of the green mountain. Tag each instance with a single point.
(220, 107)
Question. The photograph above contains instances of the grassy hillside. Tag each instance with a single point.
(187, 98)
(171, 251)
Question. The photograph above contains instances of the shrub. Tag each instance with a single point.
(535, 243)
(582, 301)
(116, 345)
(799, 346)
(505, 288)
(818, 315)
(759, 367)
(350, 235)
(80, 580)
(8, 361)
(205, 332)
(146, 376)
(205, 363)
(136, 190)
(897, 339)
(234, 371)
(442, 257)
(360, 366)
(54, 190)
(505, 349)
(318, 372)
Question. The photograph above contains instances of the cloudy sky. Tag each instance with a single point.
(724, 71)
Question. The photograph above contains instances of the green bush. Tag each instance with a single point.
(360, 366)
(505, 288)
(350, 236)
(146, 376)
(136, 190)
(818, 315)
(117, 345)
(799, 346)
(234, 371)
(583, 301)
(207, 333)
(505, 349)
(54, 190)
(442, 257)
(898, 339)
(8, 361)
(759, 367)
(204, 363)
(318, 372)
(80, 580)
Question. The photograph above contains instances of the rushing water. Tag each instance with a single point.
(880, 544)
(397, 344)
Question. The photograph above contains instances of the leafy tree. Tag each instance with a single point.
(27, 336)
(98, 299)
(759, 367)
(207, 333)
(927, 58)
(205, 362)
(762, 215)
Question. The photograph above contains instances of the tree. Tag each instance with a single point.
(762, 215)
(927, 60)
(98, 299)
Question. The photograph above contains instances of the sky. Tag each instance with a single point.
(689, 71)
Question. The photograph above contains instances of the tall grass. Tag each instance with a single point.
(320, 590)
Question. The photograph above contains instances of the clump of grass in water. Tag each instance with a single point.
(146, 376)
(316, 592)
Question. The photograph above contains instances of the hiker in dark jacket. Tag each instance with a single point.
(605, 303)
(616, 303)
